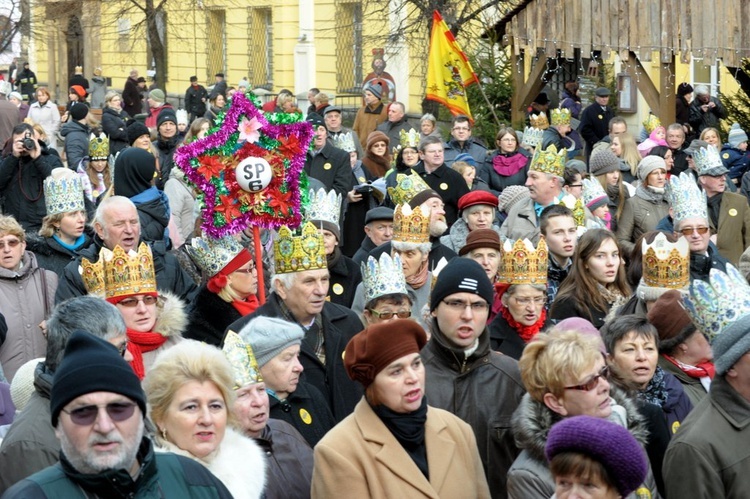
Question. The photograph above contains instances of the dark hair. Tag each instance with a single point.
(429, 140)
(660, 151)
(617, 120)
(23, 128)
(400, 157)
(580, 465)
(314, 90)
(615, 330)
(570, 174)
(552, 211)
(506, 130)
(635, 264)
(460, 119)
(579, 286)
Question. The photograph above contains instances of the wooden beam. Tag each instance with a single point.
(517, 69)
(667, 90)
(644, 84)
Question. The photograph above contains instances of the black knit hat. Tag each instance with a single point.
(136, 129)
(461, 275)
(78, 111)
(166, 114)
(90, 365)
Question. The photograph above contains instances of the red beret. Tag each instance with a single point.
(373, 349)
(79, 90)
(477, 197)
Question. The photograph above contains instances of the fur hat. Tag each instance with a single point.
(603, 161)
(736, 136)
(269, 336)
(461, 275)
(377, 136)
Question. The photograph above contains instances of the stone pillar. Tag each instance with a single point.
(304, 50)
(51, 32)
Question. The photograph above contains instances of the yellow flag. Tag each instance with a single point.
(449, 71)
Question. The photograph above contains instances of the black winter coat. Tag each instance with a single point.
(505, 339)
(307, 410)
(50, 254)
(345, 276)
(210, 318)
(166, 150)
(194, 100)
(339, 326)
(115, 125)
(290, 461)
(132, 102)
(154, 218)
(332, 167)
(76, 142)
(449, 184)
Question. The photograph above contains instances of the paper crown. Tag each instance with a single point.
(119, 273)
(688, 200)
(651, 123)
(325, 206)
(63, 195)
(345, 141)
(592, 192)
(717, 304)
(539, 121)
(665, 264)
(407, 186)
(411, 226)
(297, 253)
(560, 116)
(212, 255)
(382, 277)
(98, 147)
(521, 263)
(576, 206)
(409, 139)
(532, 136)
(240, 355)
(549, 160)
(707, 158)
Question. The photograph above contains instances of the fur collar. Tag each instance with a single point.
(172, 319)
(239, 463)
(532, 421)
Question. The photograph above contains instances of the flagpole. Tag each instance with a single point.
(489, 104)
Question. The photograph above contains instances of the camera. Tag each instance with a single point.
(28, 142)
(364, 189)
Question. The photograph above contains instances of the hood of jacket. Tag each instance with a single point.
(73, 127)
(157, 208)
(28, 267)
(532, 421)
(456, 237)
(172, 317)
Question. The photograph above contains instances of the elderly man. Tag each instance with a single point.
(595, 120)
(326, 162)
(378, 230)
(442, 179)
(299, 296)
(31, 444)
(478, 385)
(116, 222)
(157, 101)
(98, 410)
(710, 454)
(220, 86)
(333, 120)
(395, 123)
(705, 111)
(462, 142)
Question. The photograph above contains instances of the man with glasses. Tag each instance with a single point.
(448, 183)
(98, 409)
(31, 444)
(462, 142)
(467, 378)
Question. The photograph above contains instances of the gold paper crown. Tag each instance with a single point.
(577, 207)
(651, 123)
(665, 264)
(119, 273)
(299, 253)
(407, 186)
(411, 226)
(242, 359)
(409, 139)
(549, 160)
(98, 147)
(539, 121)
(521, 263)
(561, 116)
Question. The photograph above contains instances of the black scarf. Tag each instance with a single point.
(714, 206)
(334, 257)
(408, 428)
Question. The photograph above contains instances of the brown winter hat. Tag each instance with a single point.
(373, 349)
(377, 136)
(480, 238)
(668, 315)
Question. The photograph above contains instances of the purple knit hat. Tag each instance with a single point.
(605, 442)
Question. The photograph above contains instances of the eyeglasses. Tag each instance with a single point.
(507, 139)
(575, 185)
(528, 300)
(688, 231)
(401, 314)
(460, 305)
(248, 270)
(122, 348)
(11, 243)
(133, 302)
(591, 383)
(86, 415)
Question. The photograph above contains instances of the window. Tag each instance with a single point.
(705, 75)
(261, 45)
(349, 47)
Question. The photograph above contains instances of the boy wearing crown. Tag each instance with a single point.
(557, 132)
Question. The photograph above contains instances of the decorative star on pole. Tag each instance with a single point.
(248, 169)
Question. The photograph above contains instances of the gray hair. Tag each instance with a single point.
(286, 280)
(424, 248)
(428, 117)
(106, 204)
(701, 90)
(560, 180)
(471, 209)
(83, 313)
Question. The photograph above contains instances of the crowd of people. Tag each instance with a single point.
(564, 314)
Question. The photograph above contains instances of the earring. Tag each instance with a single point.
(164, 433)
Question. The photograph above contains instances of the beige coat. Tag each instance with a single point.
(733, 233)
(361, 458)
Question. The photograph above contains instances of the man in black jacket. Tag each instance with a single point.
(195, 99)
(595, 120)
(327, 163)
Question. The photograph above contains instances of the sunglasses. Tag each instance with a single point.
(403, 314)
(248, 270)
(11, 243)
(133, 302)
(688, 231)
(86, 415)
(591, 383)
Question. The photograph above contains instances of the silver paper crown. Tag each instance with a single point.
(688, 200)
(325, 206)
(345, 141)
(592, 190)
(63, 195)
(707, 158)
(532, 137)
(212, 255)
(382, 277)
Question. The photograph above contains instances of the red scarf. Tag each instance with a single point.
(138, 343)
(526, 333)
(700, 371)
(246, 306)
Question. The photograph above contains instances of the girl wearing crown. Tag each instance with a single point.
(95, 170)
